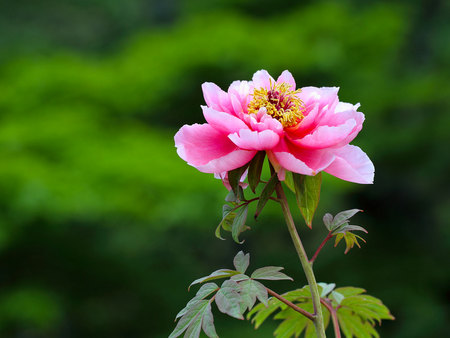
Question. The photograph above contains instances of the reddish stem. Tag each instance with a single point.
(320, 247)
(291, 305)
(334, 318)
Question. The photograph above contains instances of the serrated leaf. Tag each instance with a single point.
(241, 261)
(348, 291)
(208, 323)
(328, 220)
(189, 318)
(228, 299)
(307, 193)
(344, 216)
(254, 170)
(221, 273)
(260, 312)
(270, 273)
(267, 191)
(358, 313)
(252, 290)
(294, 323)
(350, 240)
(238, 225)
(204, 291)
(234, 177)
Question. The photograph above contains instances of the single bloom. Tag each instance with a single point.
(305, 130)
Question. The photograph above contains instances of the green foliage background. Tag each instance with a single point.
(102, 226)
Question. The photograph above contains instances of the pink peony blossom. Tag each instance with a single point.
(303, 130)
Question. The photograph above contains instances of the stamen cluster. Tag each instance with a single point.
(280, 102)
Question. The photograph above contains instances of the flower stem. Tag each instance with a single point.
(320, 247)
(307, 267)
(290, 304)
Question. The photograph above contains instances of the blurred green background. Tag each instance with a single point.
(102, 226)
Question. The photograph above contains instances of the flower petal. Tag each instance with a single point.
(262, 79)
(216, 98)
(352, 164)
(326, 136)
(254, 140)
(228, 162)
(287, 77)
(199, 144)
(223, 122)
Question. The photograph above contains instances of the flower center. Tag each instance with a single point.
(280, 102)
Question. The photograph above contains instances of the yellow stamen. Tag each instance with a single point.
(280, 102)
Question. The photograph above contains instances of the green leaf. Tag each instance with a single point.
(270, 273)
(228, 299)
(348, 291)
(241, 261)
(267, 191)
(260, 312)
(240, 277)
(189, 318)
(343, 217)
(328, 220)
(294, 323)
(326, 289)
(228, 216)
(238, 225)
(234, 177)
(358, 312)
(347, 227)
(208, 323)
(337, 297)
(289, 181)
(307, 193)
(231, 197)
(252, 290)
(222, 273)
(203, 292)
(254, 170)
(350, 240)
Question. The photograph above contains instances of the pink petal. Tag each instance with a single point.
(290, 162)
(228, 162)
(287, 77)
(325, 96)
(325, 136)
(352, 164)
(253, 140)
(223, 122)
(216, 98)
(302, 161)
(199, 144)
(262, 79)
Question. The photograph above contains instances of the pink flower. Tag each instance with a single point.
(303, 130)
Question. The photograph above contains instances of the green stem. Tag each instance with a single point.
(307, 267)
